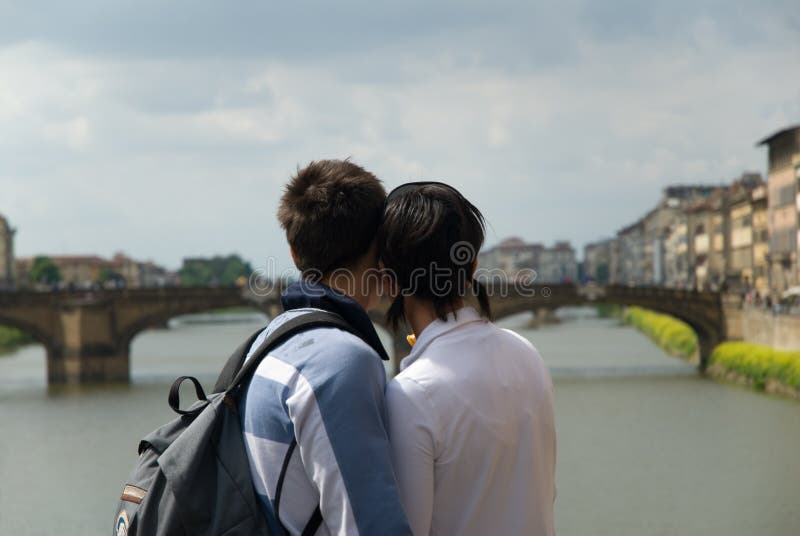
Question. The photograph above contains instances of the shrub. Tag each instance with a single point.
(759, 363)
(671, 334)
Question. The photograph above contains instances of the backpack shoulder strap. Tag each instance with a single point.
(302, 322)
(234, 363)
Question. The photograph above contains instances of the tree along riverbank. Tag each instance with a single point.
(12, 338)
(759, 367)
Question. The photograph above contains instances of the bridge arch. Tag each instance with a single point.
(702, 311)
(132, 330)
(40, 335)
(707, 324)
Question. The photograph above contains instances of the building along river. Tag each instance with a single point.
(646, 446)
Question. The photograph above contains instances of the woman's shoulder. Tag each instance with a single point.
(515, 338)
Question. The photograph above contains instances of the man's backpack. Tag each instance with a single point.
(193, 474)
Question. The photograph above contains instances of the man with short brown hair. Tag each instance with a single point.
(316, 403)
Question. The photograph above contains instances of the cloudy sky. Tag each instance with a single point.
(166, 129)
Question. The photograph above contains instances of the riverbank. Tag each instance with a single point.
(760, 367)
(672, 335)
(12, 338)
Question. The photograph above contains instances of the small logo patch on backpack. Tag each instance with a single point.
(133, 494)
(122, 523)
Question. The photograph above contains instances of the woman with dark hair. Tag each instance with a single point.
(471, 419)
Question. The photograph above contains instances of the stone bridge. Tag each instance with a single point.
(714, 317)
(87, 335)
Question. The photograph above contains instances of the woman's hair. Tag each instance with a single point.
(428, 241)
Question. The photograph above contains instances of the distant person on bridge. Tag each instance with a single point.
(471, 418)
(314, 414)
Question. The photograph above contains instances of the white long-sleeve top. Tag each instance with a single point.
(472, 431)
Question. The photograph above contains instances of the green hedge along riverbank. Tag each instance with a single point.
(669, 333)
(761, 367)
(11, 338)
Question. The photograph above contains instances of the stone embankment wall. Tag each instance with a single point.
(760, 326)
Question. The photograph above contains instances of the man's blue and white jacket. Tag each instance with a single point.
(323, 387)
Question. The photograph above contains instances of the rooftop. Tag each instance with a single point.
(79, 259)
(638, 224)
(512, 242)
(684, 191)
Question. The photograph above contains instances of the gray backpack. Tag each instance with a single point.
(193, 475)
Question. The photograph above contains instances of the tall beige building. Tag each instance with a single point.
(783, 157)
(760, 239)
(746, 235)
(658, 225)
(702, 272)
(6, 254)
(630, 255)
(677, 267)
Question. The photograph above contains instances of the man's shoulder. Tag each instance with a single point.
(323, 350)
(345, 347)
(328, 338)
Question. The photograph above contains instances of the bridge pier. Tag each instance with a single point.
(87, 366)
(89, 351)
(706, 344)
(542, 316)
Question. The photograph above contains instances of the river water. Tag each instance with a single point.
(646, 446)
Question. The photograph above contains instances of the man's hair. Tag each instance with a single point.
(428, 241)
(330, 211)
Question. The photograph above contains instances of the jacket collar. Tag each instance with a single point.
(305, 293)
(437, 328)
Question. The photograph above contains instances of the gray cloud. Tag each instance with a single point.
(168, 130)
(246, 28)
